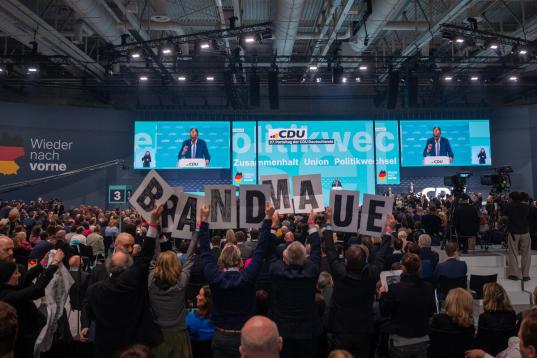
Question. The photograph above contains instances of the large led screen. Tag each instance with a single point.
(181, 145)
(445, 143)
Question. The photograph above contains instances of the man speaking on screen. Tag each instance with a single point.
(194, 148)
(438, 146)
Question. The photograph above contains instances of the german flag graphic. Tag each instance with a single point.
(11, 148)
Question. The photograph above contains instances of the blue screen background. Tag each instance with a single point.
(167, 137)
(466, 137)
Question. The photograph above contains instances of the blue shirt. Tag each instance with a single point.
(199, 328)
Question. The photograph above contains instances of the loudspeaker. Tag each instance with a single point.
(254, 89)
(232, 94)
(273, 89)
(412, 90)
(393, 89)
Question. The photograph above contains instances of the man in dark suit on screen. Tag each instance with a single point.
(438, 146)
(194, 148)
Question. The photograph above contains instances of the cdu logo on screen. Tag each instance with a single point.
(287, 134)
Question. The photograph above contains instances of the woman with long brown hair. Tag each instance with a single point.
(200, 327)
(167, 288)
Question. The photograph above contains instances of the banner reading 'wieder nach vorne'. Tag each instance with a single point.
(342, 151)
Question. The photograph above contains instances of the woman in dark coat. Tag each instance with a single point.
(21, 297)
(146, 159)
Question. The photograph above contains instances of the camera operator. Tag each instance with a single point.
(465, 221)
(517, 211)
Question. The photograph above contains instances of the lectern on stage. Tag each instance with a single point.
(436, 160)
(191, 163)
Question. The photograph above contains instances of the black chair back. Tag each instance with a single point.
(478, 281)
(445, 284)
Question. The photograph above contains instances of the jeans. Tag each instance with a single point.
(519, 244)
(226, 345)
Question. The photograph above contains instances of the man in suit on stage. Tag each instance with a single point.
(194, 148)
(438, 146)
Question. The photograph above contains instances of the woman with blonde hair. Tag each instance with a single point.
(498, 321)
(452, 332)
(167, 288)
(230, 237)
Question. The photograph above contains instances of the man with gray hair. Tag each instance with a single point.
(260, 339)
(294, 282)
(426, 253)
(126, 288)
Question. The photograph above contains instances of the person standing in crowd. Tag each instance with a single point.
(466, 222)
(96, 241)
(452, 332)
(199, 325)
(126, 288)
(426, 253)
(351, 313)
(233, 290)
(408, 304)
(294, 281)
(167, 287)
(9, 328)
(518, 240)
(30, 320)
(44, 246)
(431, 222)
(260, 339)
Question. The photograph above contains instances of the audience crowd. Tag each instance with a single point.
(294, 287)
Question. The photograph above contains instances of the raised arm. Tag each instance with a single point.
(337, 267)
(189, 259)
(36, 290)
(210, 269)
(251, 272)
(315, 241)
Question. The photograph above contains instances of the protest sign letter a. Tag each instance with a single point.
(345, 208)
(279, 192)
(186, 214)
(308, 193)
(374, 214)
(252, 204)
(223, 205)
(152, 191)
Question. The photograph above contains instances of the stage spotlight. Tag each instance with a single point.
(209, 78)
(166, 51)
(522, 51)
(474, 78)
(205, 46)
(344, 80)
(32, 69)
(513, 78)
(448, 78)
(357, 79)
(135, 55)
(181, 78)
(313, 68)
(493, 46)
(143, 78)
(459, 40)
(318, 80)
(249, 40)
(363, 68)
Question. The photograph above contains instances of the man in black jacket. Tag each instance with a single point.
(119, 305)
(466, 222)
(518, 240)
(409, 304)
(292, 306)
(351, 313)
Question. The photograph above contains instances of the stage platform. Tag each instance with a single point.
(494, 261)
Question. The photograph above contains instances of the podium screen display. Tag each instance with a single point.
(445, 143)
(181, 145)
